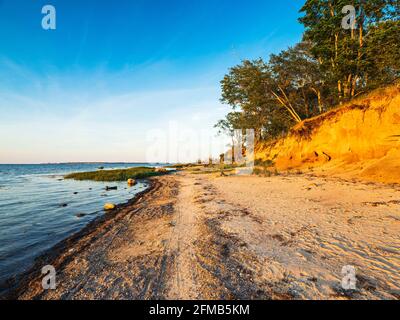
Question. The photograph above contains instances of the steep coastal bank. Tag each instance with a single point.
(202, 236)
(358, 140)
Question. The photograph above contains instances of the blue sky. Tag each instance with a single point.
(115, 74)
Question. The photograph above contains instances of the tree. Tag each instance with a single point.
(331, 65)
(244, 88)
(251, 88)
(273, 96)
(382, 54)
(341, 52)
(299, 80)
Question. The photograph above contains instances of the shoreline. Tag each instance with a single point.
(194, 236)
(14, 285)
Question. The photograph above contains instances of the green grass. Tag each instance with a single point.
(115, 175)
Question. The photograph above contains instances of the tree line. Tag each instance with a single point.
(341, 56)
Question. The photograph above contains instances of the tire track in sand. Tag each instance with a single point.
(183, 283)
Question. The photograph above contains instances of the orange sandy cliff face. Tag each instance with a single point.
(358, 140)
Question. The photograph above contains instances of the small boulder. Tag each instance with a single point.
(160, 170)
(131, 182)
(109, 206)
(111, 188)
(80, 215)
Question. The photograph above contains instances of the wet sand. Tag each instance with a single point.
(201, 236)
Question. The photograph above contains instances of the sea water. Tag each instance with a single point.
(38, 208)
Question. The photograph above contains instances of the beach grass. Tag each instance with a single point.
(115, 175)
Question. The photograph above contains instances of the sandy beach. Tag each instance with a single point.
(202, 236)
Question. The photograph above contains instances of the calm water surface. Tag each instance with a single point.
(32, 215)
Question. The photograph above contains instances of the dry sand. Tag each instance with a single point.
(200, 236)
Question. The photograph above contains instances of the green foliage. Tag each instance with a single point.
(115, 175)
(330, 66)
(383, 54)
(349, 58)
(298, 77)
(271, 97)
(245, 88)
